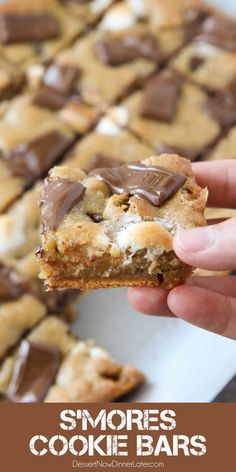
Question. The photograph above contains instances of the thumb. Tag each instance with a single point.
(211, 247)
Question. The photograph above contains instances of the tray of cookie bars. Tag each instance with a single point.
(86, 86)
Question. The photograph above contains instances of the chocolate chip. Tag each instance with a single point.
(20, 28)
(118, 51)
(32, 160)
(35, 370)
(61, 78)
(102, 160)
(219, 31)
(58, 198)
(196, 62)
(155, 184)
(12, 284)
(161, 96)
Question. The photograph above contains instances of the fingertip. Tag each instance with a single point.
(149, 301)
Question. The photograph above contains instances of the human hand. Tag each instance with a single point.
(207, 302)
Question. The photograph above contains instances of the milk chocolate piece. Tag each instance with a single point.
(155, 184)
(35, 370)
(196, 62)
(191, 154)
(222, 107)
(220, 32)
(61, 78)
(12, 284)
(49, 98)
(28, 27)
(161, 96)
(32, 160)
(57, 301)
(118, 51)
(102, 160)
(58, 198)
(194, 18)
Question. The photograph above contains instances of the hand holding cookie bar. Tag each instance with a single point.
(115, 227)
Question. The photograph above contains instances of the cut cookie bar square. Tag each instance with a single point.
(31, 141)
(169, 114)
(108, 146)
(56, 88)
(115, 226)
(35, 30)
(113, 63)
(70, 369)
(158, 14)
(19, 268)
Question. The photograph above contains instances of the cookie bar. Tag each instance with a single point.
(114, 226)
(19, 240)
(111, 64)
(31, 141)
(226, 147)
(108, 146)
(56, 88)
(70, 369)
(32, 31)
(158, 14)
(169, 115)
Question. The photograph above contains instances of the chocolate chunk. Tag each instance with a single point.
(191, 154)
(58, 198)
(103, 160)
(96, 218)
(12, 284)
(196, 62)
(161, 96)
(57, 302)
(49, 98)
(32, 160)
(61, 78)
(115, 52)
(222, 107)
(35, 370)
(219, 31)
(194, 18)
(155, 184)
(20, 28)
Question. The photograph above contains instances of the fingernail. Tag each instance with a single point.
(196, 239)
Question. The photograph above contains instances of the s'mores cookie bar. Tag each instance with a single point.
(108, 146)
(158, 14)
(31, 141)
(115, 226)
(113, 63)
(32, 31)
(69, 369)
(169, 115)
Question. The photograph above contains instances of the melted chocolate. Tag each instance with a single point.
(12, 284)
(35, 370)
(155, 184)
(115, 52)
(103, 160)
(31, 161)
(20, 28)
(58, 198)
(161, 96)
